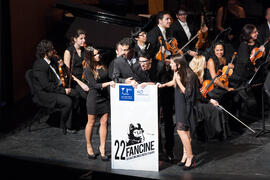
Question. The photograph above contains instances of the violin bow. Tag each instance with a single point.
(236, 118)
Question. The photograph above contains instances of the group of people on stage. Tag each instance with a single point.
(80, 82)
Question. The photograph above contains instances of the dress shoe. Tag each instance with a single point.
(192, 165)
(105, 157)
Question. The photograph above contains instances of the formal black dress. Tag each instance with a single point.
(77, 67)
(98, 98)
(186, 105)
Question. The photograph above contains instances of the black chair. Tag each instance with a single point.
(42, 111)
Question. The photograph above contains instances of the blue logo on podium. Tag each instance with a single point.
(126, 93)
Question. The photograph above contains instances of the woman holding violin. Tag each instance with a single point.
(213, 71)
(74, 58)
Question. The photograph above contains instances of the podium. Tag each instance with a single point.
(134, 127)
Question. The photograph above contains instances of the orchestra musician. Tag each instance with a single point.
(49, 91)
(73, 59)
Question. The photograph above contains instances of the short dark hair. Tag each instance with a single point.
(135, 32)
(127, 42)
(76, 34)
(161, 14)
(43, 47)
(144, 54)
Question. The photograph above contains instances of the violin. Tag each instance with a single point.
(256, 53)
(227, 72)
(172, 46)
(201, 35)
(208, 85)
(160, 55)
(62, 72)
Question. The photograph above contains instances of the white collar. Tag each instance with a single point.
(268, 24)
(47, 60)
(161, 28)
(182, 23)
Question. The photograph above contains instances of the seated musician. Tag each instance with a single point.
(49, 91)
(214, 68)
(212, 122)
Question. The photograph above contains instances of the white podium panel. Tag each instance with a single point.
(134, 127)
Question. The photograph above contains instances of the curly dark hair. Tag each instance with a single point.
(43, 47)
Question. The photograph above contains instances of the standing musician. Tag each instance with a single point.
(48, 88)
(214, 68)
(160, 30)
(73, 59)
(140, 37)
(183, 31)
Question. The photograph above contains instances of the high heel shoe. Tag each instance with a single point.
(181, 163)
(92, 156)
(105, 157)
(192, 165)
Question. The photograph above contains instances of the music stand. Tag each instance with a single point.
(259, 75)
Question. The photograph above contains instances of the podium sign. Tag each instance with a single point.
(134, 127)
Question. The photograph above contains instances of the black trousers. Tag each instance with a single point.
(65, 106)
(166, 103)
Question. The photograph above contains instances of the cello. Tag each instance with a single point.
(227, 72)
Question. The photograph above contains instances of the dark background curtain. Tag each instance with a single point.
(6, 90)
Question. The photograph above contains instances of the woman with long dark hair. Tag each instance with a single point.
(187, 97)
(73, 59)
(97, 103)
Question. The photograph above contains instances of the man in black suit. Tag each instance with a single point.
(183, 31)
(160, 30)
(123, 65)
(264, 32)
(48, 89)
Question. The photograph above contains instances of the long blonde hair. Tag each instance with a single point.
(197, 64)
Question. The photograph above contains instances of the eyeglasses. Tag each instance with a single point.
(182, 14)
(96, 54)
(142, 34)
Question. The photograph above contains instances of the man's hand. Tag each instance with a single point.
(68, 90)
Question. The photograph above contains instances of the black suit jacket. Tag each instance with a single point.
(121, 70)
(264, 34)
(179, 34)
(152, 38)
(45, 84)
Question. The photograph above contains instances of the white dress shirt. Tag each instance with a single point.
(186, 29)
(49, 62)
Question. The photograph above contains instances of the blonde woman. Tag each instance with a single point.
(198, 64)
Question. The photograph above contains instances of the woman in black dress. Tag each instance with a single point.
(187, 96)
(73, 57)
(97, 103)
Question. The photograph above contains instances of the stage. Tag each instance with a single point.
(46, 153)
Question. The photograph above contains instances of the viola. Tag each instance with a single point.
(62, 72)
(227, 72)
(160, 55)
(202, 36)
(256, 53)
(172, 46)
(208, 85)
